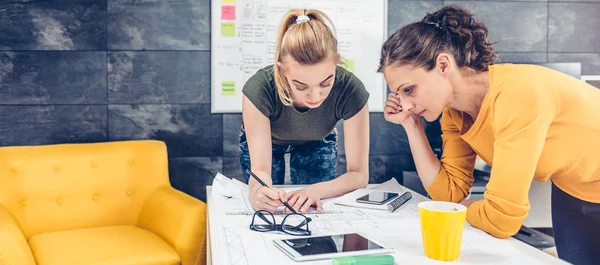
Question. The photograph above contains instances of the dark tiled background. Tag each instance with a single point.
(106, 70)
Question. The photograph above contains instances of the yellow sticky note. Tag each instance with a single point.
(227, 29)
(228, 1)
(228, 88)
(348, 64)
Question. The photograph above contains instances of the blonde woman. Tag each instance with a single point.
(292, 107)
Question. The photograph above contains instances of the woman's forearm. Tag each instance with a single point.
(427, 164)
(343, 184)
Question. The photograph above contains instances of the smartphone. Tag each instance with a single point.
(378, 197)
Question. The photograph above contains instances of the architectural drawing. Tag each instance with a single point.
(235, 247)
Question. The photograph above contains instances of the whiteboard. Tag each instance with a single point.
(244, 35)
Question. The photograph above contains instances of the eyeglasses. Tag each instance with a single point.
(294, 223)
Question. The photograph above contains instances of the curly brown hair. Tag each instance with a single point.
(451, 29)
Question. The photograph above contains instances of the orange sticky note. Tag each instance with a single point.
(228, 12)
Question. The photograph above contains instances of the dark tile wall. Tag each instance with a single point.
(107, 70)
(64, 25)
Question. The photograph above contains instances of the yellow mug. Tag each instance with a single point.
(442, 226)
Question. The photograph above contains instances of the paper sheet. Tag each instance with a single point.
(237, 201)
(389, 186)
(233, 243)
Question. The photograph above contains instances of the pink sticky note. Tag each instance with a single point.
(228, 12)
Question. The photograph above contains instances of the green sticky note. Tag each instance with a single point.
(228, 88)
(227, 29)
(348, 64)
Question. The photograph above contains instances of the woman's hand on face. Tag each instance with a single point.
(394, 113)
(302, 199)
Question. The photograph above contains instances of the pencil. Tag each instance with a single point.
(265, 185)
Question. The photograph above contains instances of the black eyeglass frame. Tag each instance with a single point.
(273, 226)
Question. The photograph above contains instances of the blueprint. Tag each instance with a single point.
(233, 243)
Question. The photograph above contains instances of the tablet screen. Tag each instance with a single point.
(331, 244)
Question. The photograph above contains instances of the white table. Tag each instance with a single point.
(523, 251)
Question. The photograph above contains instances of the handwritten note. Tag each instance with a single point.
(228, 88)
(228, 12)
(227, 29)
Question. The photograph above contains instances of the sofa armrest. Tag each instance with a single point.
(14, 248)
(180, 220)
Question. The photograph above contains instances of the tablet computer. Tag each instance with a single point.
(330, 246)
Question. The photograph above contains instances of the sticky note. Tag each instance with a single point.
(227, 29)
(228, 88)
(228, 2)
(348, 64)
(228, 12)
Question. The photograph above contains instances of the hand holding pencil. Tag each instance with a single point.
(265, 197)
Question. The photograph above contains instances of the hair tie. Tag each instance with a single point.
(302, 19)
(437, 25)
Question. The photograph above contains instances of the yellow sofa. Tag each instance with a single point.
(96, 204)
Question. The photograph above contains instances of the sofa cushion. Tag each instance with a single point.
(114, 245)
(50, 188)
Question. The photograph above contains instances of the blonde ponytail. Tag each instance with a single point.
(306, 42)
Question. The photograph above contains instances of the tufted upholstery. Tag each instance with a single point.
(55, 193)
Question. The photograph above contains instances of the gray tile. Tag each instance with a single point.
(433, 131)
(287, 177)
(53, 25)
(519, 26)
(411, 180)
(401, 13)
(159, 25)
(52, 78)
(192, 174)
(500, 1)
(590, 62)
(572, 69)
(37, 125)
(574, 27)
(341, 144)
(594, 83)
(231, 134)
(188, 130)
(382, 167)
(181, 77)
(523, 57)
(232, 168)
(341, 165)
(386, 138)
(577, 1)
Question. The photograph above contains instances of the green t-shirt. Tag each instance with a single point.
(291, 126)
